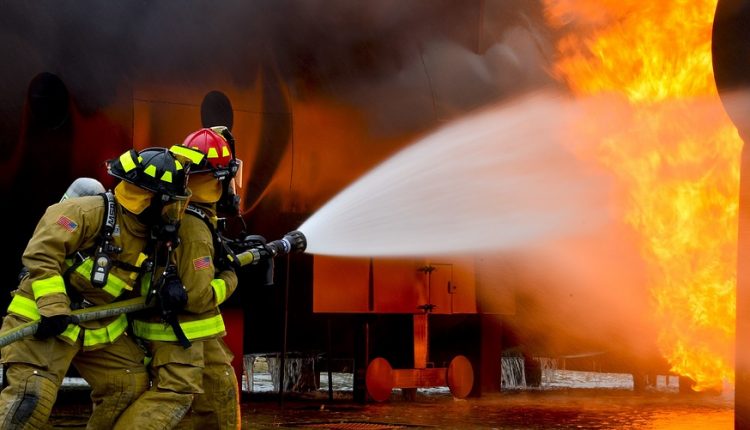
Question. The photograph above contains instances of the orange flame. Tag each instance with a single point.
(677, 156)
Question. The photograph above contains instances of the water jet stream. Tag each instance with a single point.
(495, 180)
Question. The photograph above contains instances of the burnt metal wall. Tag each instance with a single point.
(317, 93)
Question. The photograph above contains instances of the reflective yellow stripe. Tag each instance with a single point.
(224, 151)
(114, 284)
(167, 177)
(212, 153)
(25, 307)
(193, 329)
(195, 156)
(220, 290)
(71, 332)
(127, 162)
(107, 334)
(138, 263)
(51, 285)
(145, 285)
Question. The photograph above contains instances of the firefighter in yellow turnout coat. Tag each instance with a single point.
(60, 258)
(199, 376)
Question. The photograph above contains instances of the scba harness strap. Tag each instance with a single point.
(215, 235)
(103, 252)
(98, 261)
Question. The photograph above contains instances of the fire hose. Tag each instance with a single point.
(86, 314)
(294, 241)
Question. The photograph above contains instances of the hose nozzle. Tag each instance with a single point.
(294, 241)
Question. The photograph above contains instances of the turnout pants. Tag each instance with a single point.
(177, 376)
(218, 406)
(35, 370)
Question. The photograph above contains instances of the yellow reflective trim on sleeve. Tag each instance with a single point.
(150, 170)
(72, 332)
(107, 334)
(167, 177)
(193, 329)
(127, 162)
(114, 284)
(25, 307)
(52, 285)
(220, 290)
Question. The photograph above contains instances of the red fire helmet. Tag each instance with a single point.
(211, 141)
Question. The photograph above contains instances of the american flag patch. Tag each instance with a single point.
(67, 223)
(201, 263)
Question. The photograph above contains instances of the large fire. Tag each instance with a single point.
(676, 156)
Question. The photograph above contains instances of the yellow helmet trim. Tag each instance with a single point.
(212, 153)
(195, 156)
(167, 177)
(224, 151)
(150, 170)
(126, 160)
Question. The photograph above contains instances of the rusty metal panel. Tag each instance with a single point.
(497, 280)
(421, 341)
(463, 287)
(340, 284)
(452, 286)
(415, 378)
(397, 285)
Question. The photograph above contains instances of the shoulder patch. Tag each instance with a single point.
(67, 223)
(202, 263)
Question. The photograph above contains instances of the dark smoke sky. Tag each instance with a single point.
(469, 52)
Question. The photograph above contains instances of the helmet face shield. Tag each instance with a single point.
(238, 174)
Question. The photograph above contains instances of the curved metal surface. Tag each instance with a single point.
(460, 377)
(379, 379)
(731, 61)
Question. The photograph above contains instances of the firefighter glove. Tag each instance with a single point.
(54, 325)
(172, 295)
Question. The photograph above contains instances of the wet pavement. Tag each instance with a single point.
(566, 409)
(541, 409)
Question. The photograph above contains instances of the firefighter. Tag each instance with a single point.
(191, 364)
(88, 251)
